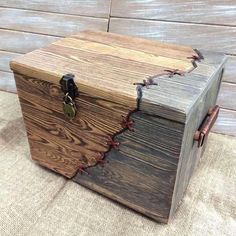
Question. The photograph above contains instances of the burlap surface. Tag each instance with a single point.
(35, 201)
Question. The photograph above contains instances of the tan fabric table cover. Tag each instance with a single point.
(35, 201)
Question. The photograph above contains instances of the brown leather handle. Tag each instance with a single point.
(206, 125)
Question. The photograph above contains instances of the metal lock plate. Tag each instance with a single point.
(70, 90)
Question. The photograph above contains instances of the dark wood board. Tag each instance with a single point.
(98, 8)
(141, 174)
(68, 144)
(208, 37)
(200, 11)
(48, 23)
(191, 153)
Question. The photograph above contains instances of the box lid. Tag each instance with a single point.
(165, 79)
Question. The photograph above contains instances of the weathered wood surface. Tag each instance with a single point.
(98, 8)
(138, 44)
(142, 173)
(190, 153)
(7, 82)
(201, 11)
(57, 143)
(227, 96)
(230, 70)
(101, 63)
(5, 58)
(174, 98)
(48, 23)
(226, 122)
(21, 42)
(208, 37)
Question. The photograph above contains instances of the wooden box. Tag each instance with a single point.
(123, 116)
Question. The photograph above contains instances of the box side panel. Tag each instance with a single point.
(190, 154)
(141, 174)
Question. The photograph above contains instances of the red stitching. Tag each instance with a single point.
(147, 82)
(127, 123)
(100, 159)
(195, 57)
(113, 143)
(175, 72)
(81, 170)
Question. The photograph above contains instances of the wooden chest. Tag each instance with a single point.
(123, 116)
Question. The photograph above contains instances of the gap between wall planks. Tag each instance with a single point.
(193, 23)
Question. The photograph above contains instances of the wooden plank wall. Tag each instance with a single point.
(26, 25)
(207, 24)
(203, 24)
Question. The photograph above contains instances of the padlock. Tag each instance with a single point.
(69, 107)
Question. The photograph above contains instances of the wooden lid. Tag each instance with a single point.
(108, 62)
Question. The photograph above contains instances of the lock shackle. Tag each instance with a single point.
(67, 98)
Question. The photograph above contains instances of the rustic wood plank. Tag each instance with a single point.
(98, 8)
(137, 44)
(20, 42)
(98, 63)
(208, 37)
(5, 58)
(143, 157)
(227, 96)
(200, 11)
(68, 145)
(7, 82)
(48, 23)
(226, 122)
(230, 70)
(190, 153)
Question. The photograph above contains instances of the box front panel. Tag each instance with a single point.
(63, 145)
(141, 174)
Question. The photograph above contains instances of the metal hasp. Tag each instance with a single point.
(206, 125)
(70, 91)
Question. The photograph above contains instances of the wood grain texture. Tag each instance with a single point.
(48, 23)
(7, 82)
(20, 42)
(190, 153)
(227, 96)
(142, 173)
(208, 37)
(201, 11)
(230, 70)
(226, 122)
(100, 63)
(175, 97)
(137, 44)
(62, 145)
(98, 8)
(5, 58)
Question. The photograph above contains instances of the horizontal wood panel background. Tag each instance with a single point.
(97, 8)
(202, 11)
(48, 23)
(215, 38)
(211, 25)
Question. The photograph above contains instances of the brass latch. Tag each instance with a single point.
(70, 91)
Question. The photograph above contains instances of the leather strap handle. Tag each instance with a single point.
(201, 134)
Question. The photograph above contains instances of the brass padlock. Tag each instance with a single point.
(69, 107)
